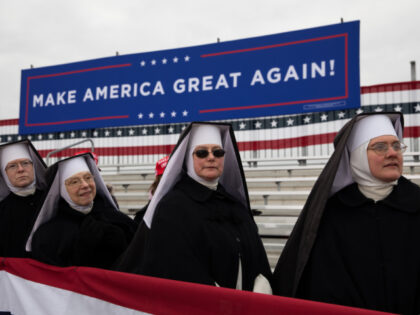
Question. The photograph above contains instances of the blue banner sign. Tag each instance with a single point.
(296, 72)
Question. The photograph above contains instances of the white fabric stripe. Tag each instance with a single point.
(24, 297)
(289, 132)
(9, 129)
(393, 97)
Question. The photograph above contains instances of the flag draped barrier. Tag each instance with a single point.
(30, 287)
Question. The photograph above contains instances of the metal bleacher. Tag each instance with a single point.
(277, 189)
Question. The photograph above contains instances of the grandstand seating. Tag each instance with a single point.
(277, 189)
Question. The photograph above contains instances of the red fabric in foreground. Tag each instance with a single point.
(161, 296)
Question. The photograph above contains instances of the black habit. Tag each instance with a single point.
(17, 216)
(196, 234)
(367, 254)
(72, 238)
(347, 249)
(199, 234)
(18, 213)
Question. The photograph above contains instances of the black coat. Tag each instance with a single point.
(198, 236)
(17, 216)
(73, 238)
(367, 254)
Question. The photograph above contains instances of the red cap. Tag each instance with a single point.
(160, 165)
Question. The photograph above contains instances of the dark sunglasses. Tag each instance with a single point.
(202, 153)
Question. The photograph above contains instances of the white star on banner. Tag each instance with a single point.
(95, 133)
(162, 115)
(173, 114)
(142, 63)
(164, 61)
(151, 115)
(324, 117)
(341, 115)
(183, 127)
(290, 122)
(19, 137)
(307, 120)
(242, 125)
(378, 109)
(153, 62)
(72, 134)
(171, 129)
(30, 137)
(175, 60)
(184, 113)
(274, 123)
(61, 135)
(50, 136)
(257, 124)
(119, 132)
(359, 111)
(107, 133)
(144, 131)
(417, 108)
(397, 108)
(39, 137)
(131, 132)
(157, 131)
(84, 134)
(187, 58)
(9, 138)
(140, 116)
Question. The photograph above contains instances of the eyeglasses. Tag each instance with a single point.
(203, 153)
(381, 148)
(74, 182)
(14, 166)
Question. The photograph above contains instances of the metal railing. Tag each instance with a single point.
(47, 158)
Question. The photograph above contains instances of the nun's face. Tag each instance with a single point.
(81, 188)
(386, 167)
(209, 167)
(20, 172)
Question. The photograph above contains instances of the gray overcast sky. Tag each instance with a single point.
(50, 32)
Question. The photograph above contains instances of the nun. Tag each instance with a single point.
(79, 224)
(357, 240)
(198, 226)
(22, 188)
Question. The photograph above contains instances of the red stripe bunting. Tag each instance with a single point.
(157, 296)
(391, 87)
(9, 122)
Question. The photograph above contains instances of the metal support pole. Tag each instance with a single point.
(413, 70)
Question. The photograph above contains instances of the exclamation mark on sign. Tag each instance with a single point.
(332, 63)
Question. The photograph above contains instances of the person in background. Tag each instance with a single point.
(356, 242)
(198, 226)
(79, 224)
(160, 167)
(22, 189)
